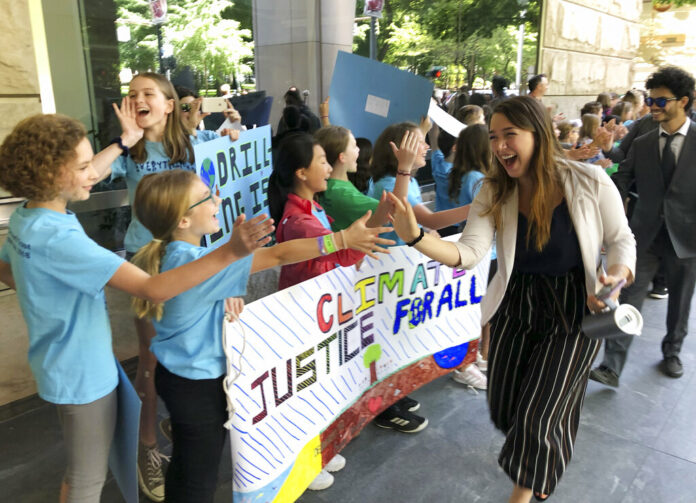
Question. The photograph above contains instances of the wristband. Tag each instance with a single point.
(415, 241)
(320, 242)
(118, 141)
(329, 243)
(403, 173)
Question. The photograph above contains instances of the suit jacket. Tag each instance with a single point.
(636, 130)
(675, 205)
(596, 210)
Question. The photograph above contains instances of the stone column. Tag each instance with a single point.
(586, 47)
(296, 42)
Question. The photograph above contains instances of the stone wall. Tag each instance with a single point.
(19, 83)
(587, 47)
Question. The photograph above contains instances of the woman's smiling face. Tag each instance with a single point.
(513, 147)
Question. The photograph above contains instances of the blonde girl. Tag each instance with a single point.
(154, 139)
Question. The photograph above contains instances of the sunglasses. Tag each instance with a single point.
(660, 102)
(209, 198)
(185, 107)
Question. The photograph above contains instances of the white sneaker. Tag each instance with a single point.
(337, 463)
(471, 376)
(481, 363)
(322, 481)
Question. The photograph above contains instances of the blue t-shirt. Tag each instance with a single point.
(157, 160)
(321, 216)
(189, 335)
(60, 275)
(471, 184)
(441, 170)
(374, 190)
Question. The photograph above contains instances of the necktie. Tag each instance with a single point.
(669, 162)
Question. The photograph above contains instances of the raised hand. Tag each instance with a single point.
(324, 112)
(404, 219)
(366, 239)
(131, 132)
(407, 151)
(248, 235)
(425, 125)
(232, 114)
(231, 132)
(585, 152)
(604, 138)
(381, 214)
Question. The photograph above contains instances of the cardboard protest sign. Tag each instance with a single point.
(238, 173)
(367, 96)
(318, 361)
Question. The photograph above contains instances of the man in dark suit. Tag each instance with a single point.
(662, 164)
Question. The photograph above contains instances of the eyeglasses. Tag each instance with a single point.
(660, 102)
(185, 107)
(209, 198)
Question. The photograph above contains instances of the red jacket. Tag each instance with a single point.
(298, 222)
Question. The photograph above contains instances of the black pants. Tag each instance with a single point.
(198, 413)
(538, 365)
(680, 275)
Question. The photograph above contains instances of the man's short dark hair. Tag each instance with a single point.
(678, 81)
(499, 83)
(534, 81)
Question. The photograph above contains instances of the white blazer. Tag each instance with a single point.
(598, 216)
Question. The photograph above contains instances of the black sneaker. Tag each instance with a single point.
(605, 376)
(658, 292)
(672, 366)
(409, 404)
(401, 420)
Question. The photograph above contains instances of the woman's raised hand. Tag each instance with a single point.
(404, 219)
(366, 239)
(131, 132)
(407, 151)
(248, 235)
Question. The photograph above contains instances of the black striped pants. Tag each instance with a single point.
(538, 366)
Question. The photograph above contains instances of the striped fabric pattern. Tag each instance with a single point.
(538, 366)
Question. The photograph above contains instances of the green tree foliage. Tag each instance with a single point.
(201, 32)
(474, 39)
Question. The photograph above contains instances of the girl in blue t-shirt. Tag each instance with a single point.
(155, 138)
(179, 209)
(394, 169)
(59, 274)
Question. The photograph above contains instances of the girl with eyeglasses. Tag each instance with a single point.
(179, 209)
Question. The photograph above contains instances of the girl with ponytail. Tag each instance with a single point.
(179, 209)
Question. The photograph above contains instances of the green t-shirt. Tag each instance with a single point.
(344, 203)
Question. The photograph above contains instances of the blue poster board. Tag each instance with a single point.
(367, 96)
(238, 173)
(123, 456)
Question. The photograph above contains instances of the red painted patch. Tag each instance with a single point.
(374, 403)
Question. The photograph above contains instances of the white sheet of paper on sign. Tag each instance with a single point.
(376, 105)
(444, 120)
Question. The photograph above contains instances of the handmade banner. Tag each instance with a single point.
(316, 362)
(367, 96)
(238, 173)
